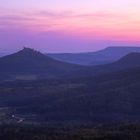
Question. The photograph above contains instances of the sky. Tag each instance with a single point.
(68, 25)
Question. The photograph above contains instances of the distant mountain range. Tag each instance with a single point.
(104, 56)
(29, 64)
(55, 91)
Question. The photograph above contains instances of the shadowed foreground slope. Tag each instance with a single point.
(107, 98)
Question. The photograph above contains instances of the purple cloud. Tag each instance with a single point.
(15, 18)
(70, 14)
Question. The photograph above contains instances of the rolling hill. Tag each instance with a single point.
(107, 55)
(131, 60)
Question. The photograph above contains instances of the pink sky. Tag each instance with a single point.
(68, 26)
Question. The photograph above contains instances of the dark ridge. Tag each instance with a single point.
(131, 59)
(29, 51)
